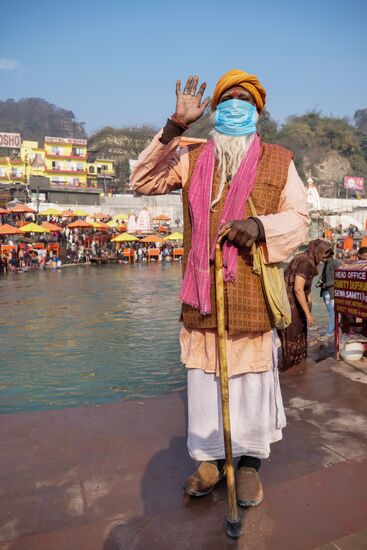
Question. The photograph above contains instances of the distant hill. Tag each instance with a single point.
(120, 145)
(34, 118)
(327, 148)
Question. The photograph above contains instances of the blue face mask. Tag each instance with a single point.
(235, 118)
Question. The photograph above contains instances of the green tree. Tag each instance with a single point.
(267, 127)
(360, 119)
(312, 137)
(34, 118)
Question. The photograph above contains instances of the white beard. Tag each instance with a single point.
(229, 151)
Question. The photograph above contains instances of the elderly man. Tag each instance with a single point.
(216, 179)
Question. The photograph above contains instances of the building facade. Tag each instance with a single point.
(59, 172)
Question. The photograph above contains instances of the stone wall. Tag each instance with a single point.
(159, 204)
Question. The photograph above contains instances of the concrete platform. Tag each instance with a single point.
(109, 477)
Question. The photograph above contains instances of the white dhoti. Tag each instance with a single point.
(256, 410)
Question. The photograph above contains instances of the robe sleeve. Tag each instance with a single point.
(161, 168)
(287, 229)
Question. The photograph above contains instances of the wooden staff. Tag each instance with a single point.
(233, 527)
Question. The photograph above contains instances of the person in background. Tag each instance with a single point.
(34, 259)
(42, 254)
(21, 257)
(13, 260)
(54, 260)
(362, 253)
(326, 284)
(298, 279)
(27, 258)
(4, 263)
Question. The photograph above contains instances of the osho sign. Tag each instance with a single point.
(10, 140)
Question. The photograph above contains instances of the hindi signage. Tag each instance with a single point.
(69, 141)
(350, 182)
(12, 141)
(350, 289)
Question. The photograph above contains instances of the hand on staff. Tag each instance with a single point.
(188, 106)
(241, 232)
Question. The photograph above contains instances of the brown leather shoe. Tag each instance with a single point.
(249, 487)
(204, 479)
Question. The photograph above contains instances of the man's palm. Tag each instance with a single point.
(188, 105)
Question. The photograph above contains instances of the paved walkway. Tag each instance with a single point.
(109, 477)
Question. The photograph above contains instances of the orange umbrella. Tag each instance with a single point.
(22, 209)
(7, 229)
(101, 226)
(101, 216)
(161, 217)
(152, 239)
(51, 226)
(80, 224)
(68, 214)
(3, 211)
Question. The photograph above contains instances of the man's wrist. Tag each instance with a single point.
(179, 121)
(261, 236)
(171, 130)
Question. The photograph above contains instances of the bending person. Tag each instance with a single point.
(298, 278)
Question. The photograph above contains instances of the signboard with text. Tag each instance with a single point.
(350, 182)
(12, 141)
(350, 289)
(69, 141)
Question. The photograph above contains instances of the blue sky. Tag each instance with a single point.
(116, 62)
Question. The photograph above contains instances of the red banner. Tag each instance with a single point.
(350, 290)
(350, 182)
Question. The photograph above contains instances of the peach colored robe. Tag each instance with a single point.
(164, 168)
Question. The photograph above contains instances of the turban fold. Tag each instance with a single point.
(247, 81)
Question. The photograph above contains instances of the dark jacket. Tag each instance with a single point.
(327, 277)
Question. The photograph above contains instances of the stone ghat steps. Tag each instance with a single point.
(109, 477)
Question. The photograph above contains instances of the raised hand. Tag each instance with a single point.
(188, 106)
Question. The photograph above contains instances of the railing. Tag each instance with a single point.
(58, 155)
(80, 171)
(66, 185)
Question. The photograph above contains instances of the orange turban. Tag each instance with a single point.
(247, 81)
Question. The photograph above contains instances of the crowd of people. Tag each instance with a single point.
(27, 258)
(71, 246)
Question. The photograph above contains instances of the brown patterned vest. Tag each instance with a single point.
(245, 305)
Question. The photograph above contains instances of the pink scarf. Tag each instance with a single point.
(195, 289)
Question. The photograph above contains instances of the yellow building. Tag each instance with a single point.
(66, 162)
(100, 173)
(59, 171)
(11, 177)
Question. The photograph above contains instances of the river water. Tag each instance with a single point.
(84, 335)
(90, 335)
